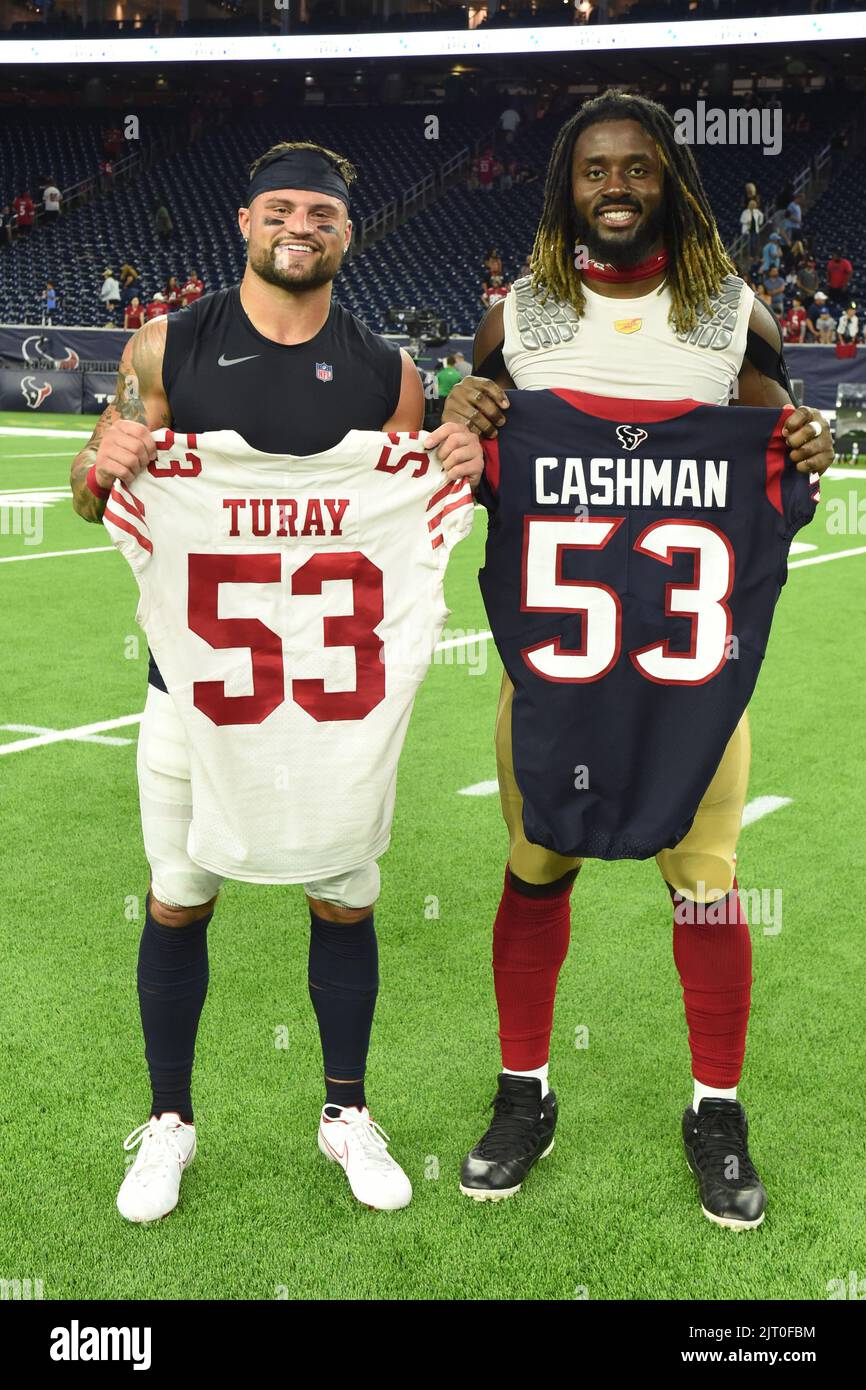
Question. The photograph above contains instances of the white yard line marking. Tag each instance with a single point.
(49, 454)
(469, 641)
(822, 559)
(798, 547)
(26, 498)
(859, 474)
(44, 433)
(17, 491)
(53, 554)
(85, 738)
(80, 735)
(479, 789)
(763, 806)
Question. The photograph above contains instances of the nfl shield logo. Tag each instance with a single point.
(324, 371)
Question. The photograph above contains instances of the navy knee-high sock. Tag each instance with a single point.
(172, 984)
(344, 982)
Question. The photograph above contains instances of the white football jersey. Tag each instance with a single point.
(292, 605)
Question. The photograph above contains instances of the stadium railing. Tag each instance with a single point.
(417, 196)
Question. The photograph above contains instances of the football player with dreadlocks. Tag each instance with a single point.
(631, 294)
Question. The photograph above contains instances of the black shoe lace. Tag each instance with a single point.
(509, 1127)
(719, 1138)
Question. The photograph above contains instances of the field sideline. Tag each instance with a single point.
(613, 1213)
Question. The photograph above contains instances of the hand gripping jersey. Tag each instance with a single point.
(292, 605)
(630, 582)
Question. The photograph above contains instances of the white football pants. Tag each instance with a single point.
(165, 797)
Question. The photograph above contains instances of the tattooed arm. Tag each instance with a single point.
(122, 443)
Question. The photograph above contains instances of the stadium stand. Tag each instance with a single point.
(434, 258)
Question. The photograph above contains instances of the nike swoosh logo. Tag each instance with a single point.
(230, 361)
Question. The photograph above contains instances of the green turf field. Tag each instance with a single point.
(613, 1213)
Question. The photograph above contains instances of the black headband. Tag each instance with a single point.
(299, 169)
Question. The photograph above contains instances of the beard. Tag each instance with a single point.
(321, 270)
(624, 251)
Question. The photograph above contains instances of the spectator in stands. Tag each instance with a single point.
(525, 269)
(839, 272)
(794, 322)
(156, 307)
(825, 326)
(494, 291)
(525, 175)
(192, 289)
(25, 212)
(49, 295)
(51, 200)
(509, 122)
(793, 223)
(493, 262)
(848, 327)
(774, 284)
(818, 309)
(838, 147)
(484, 166)
(772, 253)
(751, 223)
(162, 223)
(109, 291)
(797, 255)
(133, 314)
(106, 175)
(130, 284)
(750, 191)
(505, 178)
(112, 142)
(172, 293)
(807, 281)
(7, 218)
(447, 377)
(463, 367)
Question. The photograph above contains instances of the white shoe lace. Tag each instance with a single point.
(159, 1147)
(371, 1141)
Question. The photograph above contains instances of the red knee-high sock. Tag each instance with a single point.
(530, 942)
(713, 953)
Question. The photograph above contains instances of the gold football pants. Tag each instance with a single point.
(701, 866)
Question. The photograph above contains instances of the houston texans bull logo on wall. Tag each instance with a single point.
(35, 392)
(630, 436)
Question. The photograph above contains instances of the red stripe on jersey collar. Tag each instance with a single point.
(626, 410)
(603, 270)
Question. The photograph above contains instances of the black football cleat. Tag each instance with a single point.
(717, 1151)
(520, 1133)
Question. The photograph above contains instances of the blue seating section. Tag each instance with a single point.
(432, 259)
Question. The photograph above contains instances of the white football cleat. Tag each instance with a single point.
(360, 1146)
(151, 1186)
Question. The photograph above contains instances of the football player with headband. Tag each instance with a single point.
(280, 362)
(631, 294)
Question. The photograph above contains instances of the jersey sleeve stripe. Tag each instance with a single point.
(134, 501)
(127, 501)
(444, 491)
(128, 527)
(465, 501)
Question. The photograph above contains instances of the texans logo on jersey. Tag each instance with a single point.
(630, 436)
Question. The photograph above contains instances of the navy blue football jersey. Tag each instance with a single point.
(635, 553)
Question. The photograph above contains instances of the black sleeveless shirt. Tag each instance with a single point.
(221, 373)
